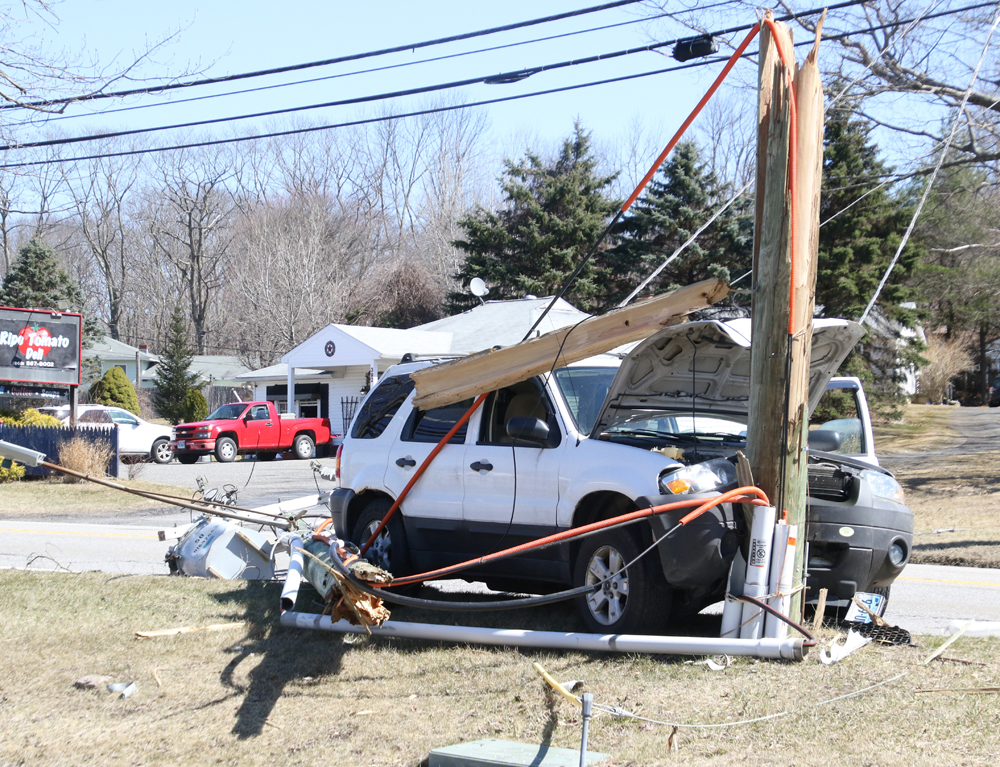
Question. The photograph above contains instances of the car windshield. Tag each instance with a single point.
(585, 388)
(228, 412)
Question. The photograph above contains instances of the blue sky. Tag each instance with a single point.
(229, 37)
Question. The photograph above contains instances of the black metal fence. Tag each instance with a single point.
(48, 439)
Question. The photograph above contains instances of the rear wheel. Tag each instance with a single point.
(188, 459)
(161, 452)
(389, 551)
(225, 450)
(304, 447)
(628, 600)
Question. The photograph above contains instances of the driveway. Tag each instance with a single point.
(259, 482)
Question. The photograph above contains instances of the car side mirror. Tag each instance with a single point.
(528, 429)
(825, 440)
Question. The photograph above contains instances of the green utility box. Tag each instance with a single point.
(507, 752)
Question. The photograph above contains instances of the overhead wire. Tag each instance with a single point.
(323, 62)
(420, 112)
(388, 67)
(937, 168)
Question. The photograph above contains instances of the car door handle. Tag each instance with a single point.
(402, 462)
(481, 466)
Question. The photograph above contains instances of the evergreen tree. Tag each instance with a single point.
(37, 281)
(552, 213)
(676, 204)
(174, 377)
(116, 390)
(862, 228)
(856, 247)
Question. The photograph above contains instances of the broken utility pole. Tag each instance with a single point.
(784, 267)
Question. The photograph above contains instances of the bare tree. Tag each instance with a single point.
(101, 191)
(192, 228)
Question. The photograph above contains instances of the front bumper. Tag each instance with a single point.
(192, 445)
(849, 544)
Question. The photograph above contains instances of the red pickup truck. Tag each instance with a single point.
(248, 427)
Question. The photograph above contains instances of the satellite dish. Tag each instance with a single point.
(478, 287)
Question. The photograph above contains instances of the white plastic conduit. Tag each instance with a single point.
(788, 649)
(295, 562)
(761, 536)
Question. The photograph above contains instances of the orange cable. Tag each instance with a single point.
(793, 130)
(739, 493)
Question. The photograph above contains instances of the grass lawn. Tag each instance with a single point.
(54, 498)
(259, 694)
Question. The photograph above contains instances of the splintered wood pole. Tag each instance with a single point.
(784, 268)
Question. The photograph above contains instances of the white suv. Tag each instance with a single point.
(598, 439)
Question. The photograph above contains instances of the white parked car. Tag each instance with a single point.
(604, 437)
(136, 438)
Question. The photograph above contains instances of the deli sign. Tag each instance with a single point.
(40, 346)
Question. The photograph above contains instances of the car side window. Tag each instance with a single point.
(522, 399)
(260, 413)
(95, 416)
(123, 418)
(380, 407)
(432, 425)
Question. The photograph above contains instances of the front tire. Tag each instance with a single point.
(226, 450)
(161, 452)
(629, 601)
(304, 447)
(389, 551)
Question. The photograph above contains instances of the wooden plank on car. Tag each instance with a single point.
(490, 370)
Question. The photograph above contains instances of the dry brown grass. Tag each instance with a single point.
(84, 456)
(52, 498)
(956, 509)
(923, 426)
(264, 695)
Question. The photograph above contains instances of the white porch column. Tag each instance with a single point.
(292, 407)
(374, 373)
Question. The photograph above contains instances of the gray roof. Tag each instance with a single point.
(110, 349)
(280, 371)
(503, 323)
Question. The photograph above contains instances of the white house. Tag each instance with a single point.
(331, 371)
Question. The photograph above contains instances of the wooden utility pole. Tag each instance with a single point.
(784, 267)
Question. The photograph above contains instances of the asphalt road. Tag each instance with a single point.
(258, 482)
(925, 599)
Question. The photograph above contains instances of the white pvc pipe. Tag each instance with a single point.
(294, 578)
(773, 626)
(759, 562)
(788, 649)
(782, 570)
(295, 504)
(732, 610)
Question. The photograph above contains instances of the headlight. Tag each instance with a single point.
(884, 486)
(202, 434)
(716, 475)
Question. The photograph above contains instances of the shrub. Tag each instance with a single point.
(13, 474)
(116, 390)
(28, 417)
(195, 406)
(85, 457)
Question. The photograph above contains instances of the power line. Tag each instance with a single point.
(388, 67)
(442, 109)
(505, 77)
(324, 62)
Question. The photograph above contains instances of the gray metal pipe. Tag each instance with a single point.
(787, 649)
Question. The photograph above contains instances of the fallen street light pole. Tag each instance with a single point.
(778, 649)
(12, 452)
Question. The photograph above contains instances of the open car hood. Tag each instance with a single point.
(705, 366)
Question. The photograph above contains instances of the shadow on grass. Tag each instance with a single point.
(287, 655)
(945, 545)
